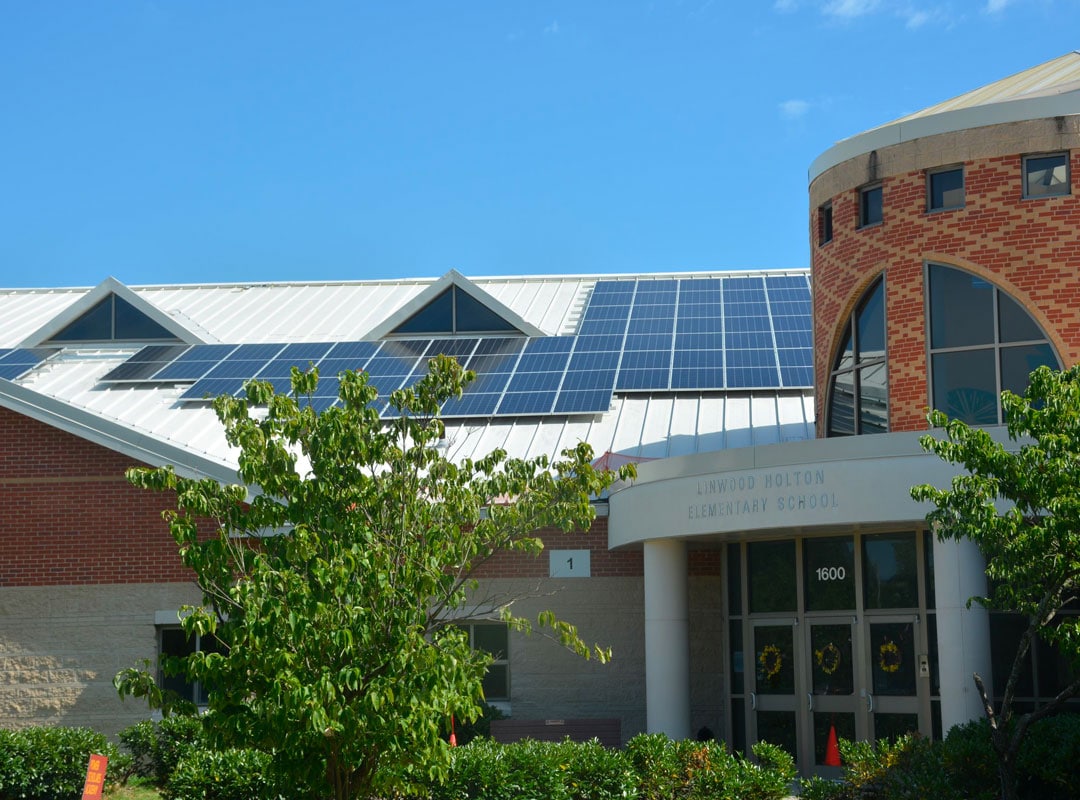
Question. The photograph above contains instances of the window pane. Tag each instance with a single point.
(830, 573)
(892, 658)
(1046, 175)
(134, 324)
(737, 661)
(473, 316)
(174, 642)
(965, 386)
(497, 682)
(1005, 633)
(734, 580)
(774, 659)
(890, 571)
(873, 399)
(1016, 324)
(893, 726)
(871, 325)
(842, 405)
(1017, 364)
(831, 659)
(778, 727)
(772, 576)
(491, 639)
(870, 206)
(825, 221)
(94, 325)
(436, 317)
(947, 189)
(961, 308)
(846, 357)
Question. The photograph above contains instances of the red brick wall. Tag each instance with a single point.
(1029, 248)
(68, 516)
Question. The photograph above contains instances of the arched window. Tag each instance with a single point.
(982, 342)
(858, 384)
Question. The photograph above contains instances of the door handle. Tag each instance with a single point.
(753, 701)
(869, 703)
(809, 701)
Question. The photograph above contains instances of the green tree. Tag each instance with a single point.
(333, 575)
(1020, 503)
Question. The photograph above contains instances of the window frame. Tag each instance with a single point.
(997, 346)
(1025, 175)
(946, 170)
(825, 223)
(194, 690)
(858, 365)
(864, 192)
(504, 662)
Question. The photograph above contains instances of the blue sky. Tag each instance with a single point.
(191, 141)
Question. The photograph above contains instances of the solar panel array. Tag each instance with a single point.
(639, 335)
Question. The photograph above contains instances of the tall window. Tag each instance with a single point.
(982, 342)
(945, 189)
(493, 639)
(175, 642)
(858, 395)
(112, 319)
(870, 205)
(825, 224)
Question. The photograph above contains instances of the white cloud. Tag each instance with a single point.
(794, 109)
(786, 6)
(849, 9)
(916, 19)
(553, 28)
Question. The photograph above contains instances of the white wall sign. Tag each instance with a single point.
(569, 563)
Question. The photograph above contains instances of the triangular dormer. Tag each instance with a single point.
(453, 306)
(111, 313)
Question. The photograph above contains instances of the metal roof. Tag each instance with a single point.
(149, 423)
(1047, 90)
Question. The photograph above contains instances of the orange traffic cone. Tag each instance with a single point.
(832, 749)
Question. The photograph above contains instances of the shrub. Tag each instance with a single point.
(222, 775)
(1049, 761)
(593, 772)
(657, 764)
(50, 763)
(157, 747)
(968, 757)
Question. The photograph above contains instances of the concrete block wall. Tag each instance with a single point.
(1029, 247)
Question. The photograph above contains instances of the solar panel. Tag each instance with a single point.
(144, 364)
(493, 362)
(194, 363)
(17, 362)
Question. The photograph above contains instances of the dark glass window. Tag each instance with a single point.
(870, 209)
(1046, 175)
(890, 571)
(829, 579)
(493, 639)
(175, 642)
(113, 319)
(455, 311)
(982, 342)
(945, 189)
(825, 224)
(858, 389)
(771, 568)
(734, 582)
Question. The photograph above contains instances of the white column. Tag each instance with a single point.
(667, 639)
(963, 633)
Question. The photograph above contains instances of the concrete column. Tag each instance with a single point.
(667, 639)
(963, 633)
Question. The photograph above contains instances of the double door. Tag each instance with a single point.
(817, 678)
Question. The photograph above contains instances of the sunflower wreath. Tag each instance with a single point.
(828, 658)
(889, 658)
(771, 661)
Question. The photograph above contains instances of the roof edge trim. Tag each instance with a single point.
(110, 286)
(911, 128)
(451, 278)
(111, 435)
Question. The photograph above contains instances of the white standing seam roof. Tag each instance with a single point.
(148, 422)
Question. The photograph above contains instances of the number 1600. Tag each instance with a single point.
(831, 573)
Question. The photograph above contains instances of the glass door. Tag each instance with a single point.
(892, 692)
(833, 704)
(773, 703)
